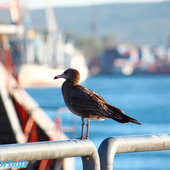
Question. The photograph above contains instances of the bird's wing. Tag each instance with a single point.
(88, 101)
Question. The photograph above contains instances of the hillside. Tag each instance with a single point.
(147, 23)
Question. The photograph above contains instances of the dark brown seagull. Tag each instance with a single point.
(88, 104)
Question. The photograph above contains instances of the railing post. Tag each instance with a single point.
(107, 152)
(110, 146)
(92, 161)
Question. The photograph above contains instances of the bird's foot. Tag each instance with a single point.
(82, 137)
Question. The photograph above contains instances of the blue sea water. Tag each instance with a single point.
(145, 98)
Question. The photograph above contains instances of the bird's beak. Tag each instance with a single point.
(59, 76)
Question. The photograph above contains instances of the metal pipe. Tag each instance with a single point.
(52, 150)
(110, 146)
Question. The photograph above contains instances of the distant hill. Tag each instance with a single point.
(147, 23)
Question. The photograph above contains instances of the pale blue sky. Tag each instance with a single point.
(58, 3)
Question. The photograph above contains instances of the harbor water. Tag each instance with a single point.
(145, 98)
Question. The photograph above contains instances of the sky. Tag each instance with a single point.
(59, 3)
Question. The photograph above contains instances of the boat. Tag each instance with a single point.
(21, 118)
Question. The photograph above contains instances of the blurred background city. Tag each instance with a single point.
(123, 46)
(114, 38)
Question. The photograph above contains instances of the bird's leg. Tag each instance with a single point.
(82, 129)
(88, 123)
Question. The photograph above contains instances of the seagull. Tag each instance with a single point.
(87, 104)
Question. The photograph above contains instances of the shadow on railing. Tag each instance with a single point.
(84, 148)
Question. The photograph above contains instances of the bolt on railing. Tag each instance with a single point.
(53, 150)
(110, 146)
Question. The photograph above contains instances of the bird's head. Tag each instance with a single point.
(70, 74)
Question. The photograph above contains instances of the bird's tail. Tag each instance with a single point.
(127, 119)
(118, 115)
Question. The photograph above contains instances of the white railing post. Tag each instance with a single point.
(110, 146)
(52, 150)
